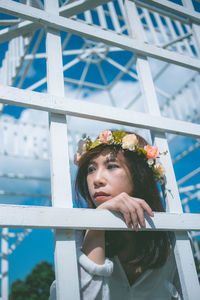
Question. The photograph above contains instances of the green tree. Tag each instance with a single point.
(35, 286)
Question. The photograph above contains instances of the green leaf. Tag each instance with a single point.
(118, 136)
(95, 144)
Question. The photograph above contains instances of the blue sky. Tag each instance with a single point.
(38, 246)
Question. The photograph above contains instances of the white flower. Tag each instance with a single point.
(161, 181)
(131, 148)
(129, 140)
(150, 161)
(159, 169)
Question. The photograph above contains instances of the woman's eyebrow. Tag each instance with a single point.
(111, 159)
(91, 163)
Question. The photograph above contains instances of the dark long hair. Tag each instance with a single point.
(151, 249)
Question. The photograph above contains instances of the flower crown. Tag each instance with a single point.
(127, 141)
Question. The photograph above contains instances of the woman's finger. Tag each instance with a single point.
(127, 211)
(145, 206)
(134, 219)
(132, 208)
(140, 214)
(127, 218)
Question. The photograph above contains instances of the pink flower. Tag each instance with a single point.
(152, 152)
(105, 136)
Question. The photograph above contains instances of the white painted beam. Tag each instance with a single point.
(98, 34)
(23, 176)
(85, 83)
(22, 28)
(51, 103)
(189, 176)
(25, 27)
(28, 195)
(189, 281)
(189, 188)
(77, 7)
(59, 165)
(9, 22)
(20, 216)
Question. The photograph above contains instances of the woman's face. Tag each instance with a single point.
(108, 176)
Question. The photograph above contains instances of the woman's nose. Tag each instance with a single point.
(99, 179)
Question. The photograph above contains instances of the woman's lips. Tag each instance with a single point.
(100, 196)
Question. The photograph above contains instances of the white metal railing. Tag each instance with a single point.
(17, 141)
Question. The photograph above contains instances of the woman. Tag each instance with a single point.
(118, 171)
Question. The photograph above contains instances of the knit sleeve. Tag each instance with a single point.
(94, 278)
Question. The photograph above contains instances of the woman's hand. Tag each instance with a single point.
(131, 208)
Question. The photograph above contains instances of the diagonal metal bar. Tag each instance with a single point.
(120, 67)
(77, 7)
(22, 78)
(85, 83)
(23, 28)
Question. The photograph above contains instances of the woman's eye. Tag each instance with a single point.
(112, 166)
(91, 169)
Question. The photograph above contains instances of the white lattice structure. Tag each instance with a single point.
(79, 38)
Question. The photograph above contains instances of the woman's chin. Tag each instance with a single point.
(101, 199)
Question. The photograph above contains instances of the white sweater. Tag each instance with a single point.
(109, 281)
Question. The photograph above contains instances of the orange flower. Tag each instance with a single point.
(105, 136)
(152, 152)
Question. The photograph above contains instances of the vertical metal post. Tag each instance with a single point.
(4, 264)
(67, 284)
(182, 248)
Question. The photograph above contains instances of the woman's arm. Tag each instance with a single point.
(132, 210)
(94, 246)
